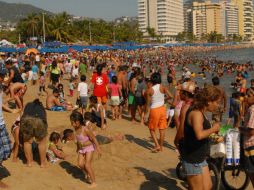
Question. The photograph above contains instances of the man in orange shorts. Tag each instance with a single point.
(157, 118)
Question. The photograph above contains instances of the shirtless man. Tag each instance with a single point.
(61, 66)
(17, 92)
(122, 80)
(243, 84)
(53, 103)
(217, 114)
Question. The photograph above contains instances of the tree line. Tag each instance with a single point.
(61, 27)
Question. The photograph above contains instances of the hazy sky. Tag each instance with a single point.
(106, 9)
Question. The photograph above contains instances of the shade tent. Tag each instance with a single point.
(31, 50)
(5, 43)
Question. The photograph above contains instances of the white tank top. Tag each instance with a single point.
(157, 97)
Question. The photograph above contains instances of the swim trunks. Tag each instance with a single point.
(57, 108)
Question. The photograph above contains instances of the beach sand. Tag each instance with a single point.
(127, 164)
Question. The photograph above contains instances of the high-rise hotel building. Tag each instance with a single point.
(165, 16)
(206, 18)
(229, 18)
(245, 18)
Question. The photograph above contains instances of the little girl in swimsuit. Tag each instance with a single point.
(55, 151)
(85, 153)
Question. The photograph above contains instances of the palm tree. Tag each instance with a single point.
(32, 24)
(47, 24)
(60, 28)
(151, 32)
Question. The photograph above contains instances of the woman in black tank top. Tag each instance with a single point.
(197, 129)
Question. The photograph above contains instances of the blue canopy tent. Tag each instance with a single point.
(51, 47)
(8, 49)
(52, 44)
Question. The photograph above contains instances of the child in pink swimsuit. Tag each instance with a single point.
(85, 153)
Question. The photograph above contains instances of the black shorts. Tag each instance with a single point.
(54, 78)
(140, 101)
(97, 120)
(42, 88)
(249, 162)
(124, 94)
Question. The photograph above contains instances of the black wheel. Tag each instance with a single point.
(180, 171)
(235, 178)
(215, 175)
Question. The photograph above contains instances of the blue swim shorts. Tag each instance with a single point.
(193, 169)
(57, 108)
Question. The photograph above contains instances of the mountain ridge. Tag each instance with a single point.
(13, 12)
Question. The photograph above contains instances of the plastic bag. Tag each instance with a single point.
(218, 150)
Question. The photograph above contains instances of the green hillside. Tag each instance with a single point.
(13, 12)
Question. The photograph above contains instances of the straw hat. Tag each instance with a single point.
(189, 87)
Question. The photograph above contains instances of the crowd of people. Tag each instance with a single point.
(154, 87)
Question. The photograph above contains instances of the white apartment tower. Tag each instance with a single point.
(199, 19)
(165, 16)
(232, 19)
(248, 19)
(187, 11)
(229, 18)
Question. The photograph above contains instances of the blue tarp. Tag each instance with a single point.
(8, 49)
(52, 44)
(122, 46)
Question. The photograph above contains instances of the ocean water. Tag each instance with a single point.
(236, 55)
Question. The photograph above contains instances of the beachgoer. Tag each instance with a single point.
(217, 115)
(85, 154)
(54, 73)
(248, 142)
(115, 92)
(100, 82)
(71, 87)
(55, 151)
(53, 103)
(187, 92)
(122, 80)
(17, 139)
(35, 70)
(68, 135)
(98, 112)
(33, 128)
(140, 98)
(83, 93)
(197, 130)
(5, 143)
(42, 83)
(157, 117)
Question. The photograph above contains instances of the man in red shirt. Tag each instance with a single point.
(100, 82)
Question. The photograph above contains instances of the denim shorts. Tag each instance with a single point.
(193, 169)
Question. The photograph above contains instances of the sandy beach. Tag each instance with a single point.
(127, 164)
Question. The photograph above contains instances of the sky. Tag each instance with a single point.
(105, 9)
